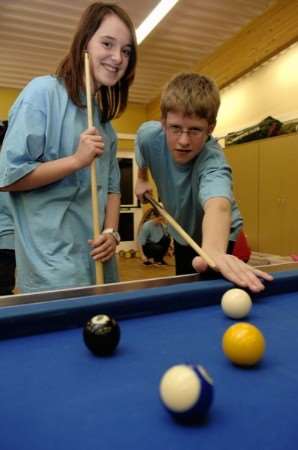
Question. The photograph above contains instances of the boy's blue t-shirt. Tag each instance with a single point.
(54, 223)
(183, 189)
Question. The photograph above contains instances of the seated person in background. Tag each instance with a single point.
(7, 253)
(193, 179)
(153, 238)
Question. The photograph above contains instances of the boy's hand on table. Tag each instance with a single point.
(236, 271)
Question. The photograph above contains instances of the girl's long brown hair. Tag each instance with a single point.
(111, 100)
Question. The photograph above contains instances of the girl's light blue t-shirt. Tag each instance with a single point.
(184, 189)
(54, 223)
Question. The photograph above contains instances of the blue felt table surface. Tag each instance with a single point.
(55, 395)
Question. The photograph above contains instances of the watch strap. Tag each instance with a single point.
(113, 233)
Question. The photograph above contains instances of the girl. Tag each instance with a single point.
(48, 150)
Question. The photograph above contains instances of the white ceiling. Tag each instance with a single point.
(35, 35)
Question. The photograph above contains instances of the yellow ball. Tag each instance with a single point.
(243, 344)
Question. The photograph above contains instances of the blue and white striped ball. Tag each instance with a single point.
(187, 391)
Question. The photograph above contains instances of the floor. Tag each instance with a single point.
(133, 269)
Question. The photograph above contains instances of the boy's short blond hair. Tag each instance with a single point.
(192, 95)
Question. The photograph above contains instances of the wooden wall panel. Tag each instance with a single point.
(264, 37)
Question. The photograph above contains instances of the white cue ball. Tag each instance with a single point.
(236, 303)
(186, 391)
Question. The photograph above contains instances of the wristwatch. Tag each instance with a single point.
(113, 233)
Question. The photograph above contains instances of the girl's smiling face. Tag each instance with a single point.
(109, 51)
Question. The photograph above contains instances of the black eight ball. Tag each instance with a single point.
(101, 335)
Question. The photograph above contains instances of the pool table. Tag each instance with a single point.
(56, 395)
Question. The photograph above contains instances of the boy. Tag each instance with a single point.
(193, 179)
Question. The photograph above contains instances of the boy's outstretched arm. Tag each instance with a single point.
(215, 231)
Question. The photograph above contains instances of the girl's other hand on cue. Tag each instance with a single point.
(103, 247)
(236, 271)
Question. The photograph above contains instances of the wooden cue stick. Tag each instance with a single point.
(180, 231)
(94, 195)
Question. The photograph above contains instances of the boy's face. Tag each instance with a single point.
(186, 135)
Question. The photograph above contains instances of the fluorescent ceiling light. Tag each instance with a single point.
(153, 19)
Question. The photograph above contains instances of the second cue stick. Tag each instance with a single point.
(181, 231)
(94, 195)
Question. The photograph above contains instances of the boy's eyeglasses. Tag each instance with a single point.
(176, 130)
